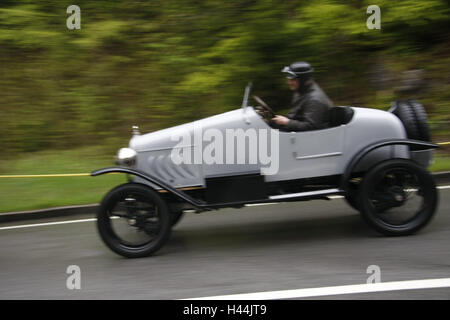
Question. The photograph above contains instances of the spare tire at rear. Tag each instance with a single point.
(414, 118)
(421, 120)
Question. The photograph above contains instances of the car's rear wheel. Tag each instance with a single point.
(133, 220)
(352, 194)
(397, 197)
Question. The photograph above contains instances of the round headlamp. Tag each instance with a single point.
(126, 157)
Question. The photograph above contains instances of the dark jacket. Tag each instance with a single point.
(309, 110)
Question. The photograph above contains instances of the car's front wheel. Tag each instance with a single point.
(133, 220)
(397, 197)
(175, 217)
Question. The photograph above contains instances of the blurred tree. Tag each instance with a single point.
(160, 63)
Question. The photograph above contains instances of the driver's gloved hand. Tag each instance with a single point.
(274, 125)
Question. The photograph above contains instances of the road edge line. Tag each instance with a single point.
(336, 290)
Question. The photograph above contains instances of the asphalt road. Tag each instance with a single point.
(260, 248)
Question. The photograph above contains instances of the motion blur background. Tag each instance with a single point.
(69, 97)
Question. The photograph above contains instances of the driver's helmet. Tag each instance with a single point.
(302, 70)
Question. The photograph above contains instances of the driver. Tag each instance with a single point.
(310, 105)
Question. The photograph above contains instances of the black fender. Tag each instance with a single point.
(414, 145)
(180, 194)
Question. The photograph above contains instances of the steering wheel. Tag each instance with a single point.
(263, 109)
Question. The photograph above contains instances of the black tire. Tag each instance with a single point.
(414, 119)
(352, 196)
(405, 113)
(421, 120)
(389, 190)
(175, 217)
(148, 212)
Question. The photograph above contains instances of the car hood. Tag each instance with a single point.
(170, 137)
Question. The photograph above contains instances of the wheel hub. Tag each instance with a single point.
(398, 194)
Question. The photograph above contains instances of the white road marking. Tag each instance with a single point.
(47, 224)
(94, 219)
(337, 290)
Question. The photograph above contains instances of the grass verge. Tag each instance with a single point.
(441, 163)
(17, 194)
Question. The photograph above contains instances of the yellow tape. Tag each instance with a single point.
(45, 175)
(443, 143)
(50, 175)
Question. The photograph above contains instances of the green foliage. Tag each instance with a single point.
(160, 63)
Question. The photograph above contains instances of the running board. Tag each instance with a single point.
(306, 194)
(278, 198)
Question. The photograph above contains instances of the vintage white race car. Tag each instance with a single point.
(376, 159)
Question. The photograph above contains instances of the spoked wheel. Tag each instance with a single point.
(175, 217)
(398, 197)
(352, 195)
(133, 220)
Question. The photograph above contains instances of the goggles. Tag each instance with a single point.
(289, 73)
(293, 75)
